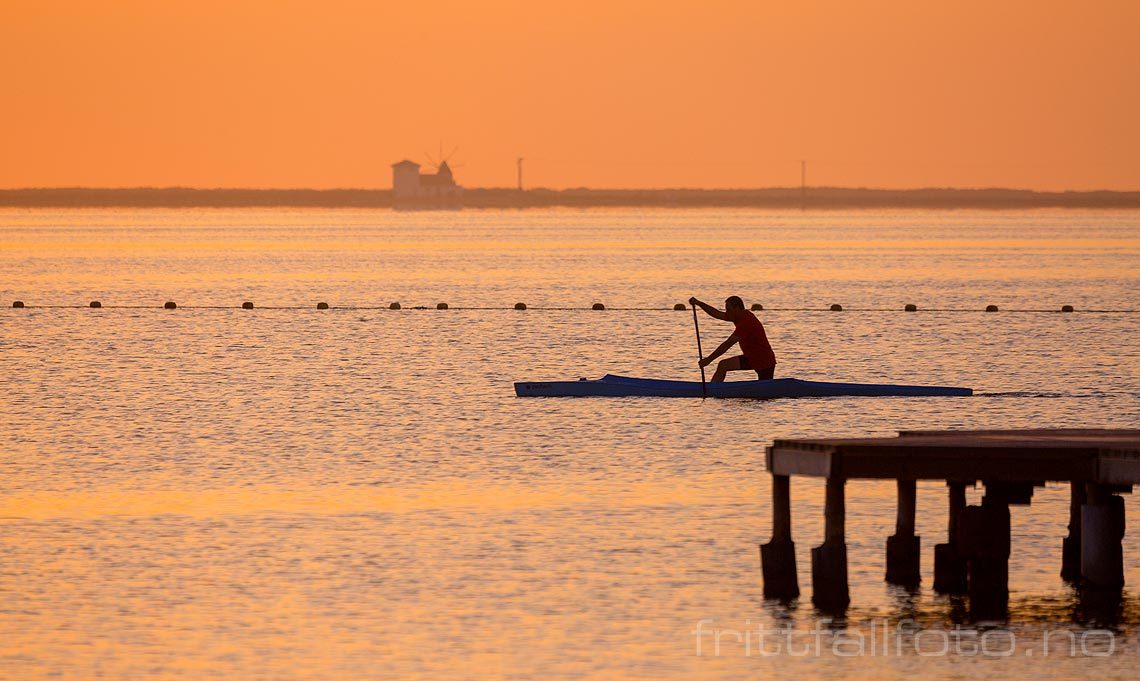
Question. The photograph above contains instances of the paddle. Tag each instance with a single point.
(700, 353)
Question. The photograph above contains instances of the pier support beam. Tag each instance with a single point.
(1102, 529)
(778, 556)
(950, 575)
(829, 560)
(1071, 545)
(904, 548)
(985, 541)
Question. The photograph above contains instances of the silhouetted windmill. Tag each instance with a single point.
(441, 162)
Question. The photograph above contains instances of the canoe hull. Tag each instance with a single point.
(621, 386)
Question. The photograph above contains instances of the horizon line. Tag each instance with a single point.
(794, 188)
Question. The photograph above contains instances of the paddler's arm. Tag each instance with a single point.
(728, 343)
(712, 311)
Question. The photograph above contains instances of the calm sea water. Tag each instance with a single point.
(212, 492)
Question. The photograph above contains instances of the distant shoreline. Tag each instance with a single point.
(475, 198)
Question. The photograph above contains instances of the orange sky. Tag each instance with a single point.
(1042, 94)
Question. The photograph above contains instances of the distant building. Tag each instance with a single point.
(412, 189)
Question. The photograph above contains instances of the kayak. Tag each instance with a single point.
(622, 386)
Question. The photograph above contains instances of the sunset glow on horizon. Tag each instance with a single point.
(1020, 93)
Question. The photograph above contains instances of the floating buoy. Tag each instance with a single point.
(247, 305)
(598, 306)
(441, 306)
(991, 308)
(18, 303)
(171, 305)
(1066, 308)
(836, 307)
(756, 307)
(679, 306)
(394, 306)
(95, 303)
(911, 307)
(322, 306)
(520, 306)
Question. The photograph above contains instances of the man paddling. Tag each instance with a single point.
(758, 355)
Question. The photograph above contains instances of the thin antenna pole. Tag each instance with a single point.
(803, 184)
(520, 160)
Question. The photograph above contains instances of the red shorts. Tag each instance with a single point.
(765, 374)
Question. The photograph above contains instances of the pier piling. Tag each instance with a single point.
(985, 541)
(1071, 545)
(1102, 529)
(829, 560)
(778, 556)
(950, 575)
(904, 548)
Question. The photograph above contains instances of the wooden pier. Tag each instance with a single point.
(1098, 464)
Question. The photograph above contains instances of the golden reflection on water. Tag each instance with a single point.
(451, 496)
(479, 256)
(358, 494)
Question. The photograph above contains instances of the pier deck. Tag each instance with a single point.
(1104, 456)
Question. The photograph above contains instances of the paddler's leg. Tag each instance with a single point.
(726, 365)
